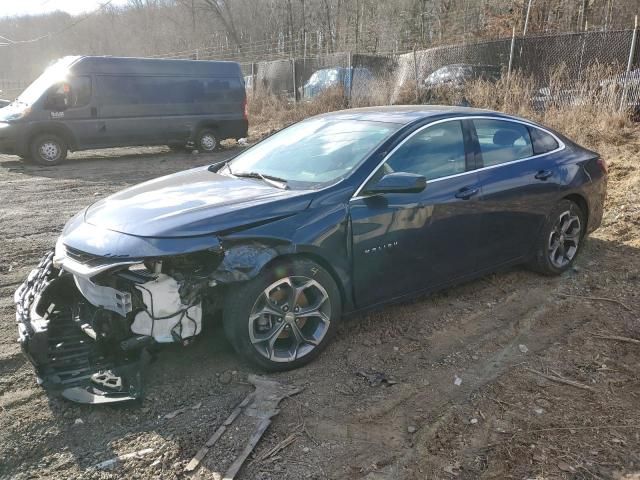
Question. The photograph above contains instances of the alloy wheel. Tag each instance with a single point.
(564, 239)
(289, 319)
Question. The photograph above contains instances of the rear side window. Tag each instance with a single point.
(435, 152)
(502, 141)
(542, 141)
(141, 90)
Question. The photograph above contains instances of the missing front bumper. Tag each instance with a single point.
(53, 334)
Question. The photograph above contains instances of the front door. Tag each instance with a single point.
(78, 113)
(407, 242)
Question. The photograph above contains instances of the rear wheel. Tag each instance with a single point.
(207, 141)
(560, 239)
(48, 149)
(285, 317)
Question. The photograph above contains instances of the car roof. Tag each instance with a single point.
(406, 114)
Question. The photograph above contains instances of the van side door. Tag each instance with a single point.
(132, 109)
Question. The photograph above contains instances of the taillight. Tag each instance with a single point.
(245, 107)
(602, 163)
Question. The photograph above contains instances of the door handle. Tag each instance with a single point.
(543, 174)
(467, 192)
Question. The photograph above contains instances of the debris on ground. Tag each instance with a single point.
(258, 408)
(376, 379)
(113, 462)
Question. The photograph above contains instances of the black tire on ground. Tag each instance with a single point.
(48, 149)
(560, 240)
(207, 140)
(242, 300)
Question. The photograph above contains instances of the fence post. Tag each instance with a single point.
(513, 44)
(526, 19)
(293, 73)
(350, 70)
(632, 52)
(415, 73)
(253, 80)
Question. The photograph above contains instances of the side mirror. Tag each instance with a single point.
(399, 182)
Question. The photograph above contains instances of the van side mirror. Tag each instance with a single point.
(399, 182)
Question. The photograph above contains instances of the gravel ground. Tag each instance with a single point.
(469, 399)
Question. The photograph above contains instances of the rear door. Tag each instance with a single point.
(519, 181)
(406, 242)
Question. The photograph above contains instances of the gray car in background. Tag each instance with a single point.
(353, 81)
(457, 75)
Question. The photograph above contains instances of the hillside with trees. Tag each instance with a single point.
(254, 30)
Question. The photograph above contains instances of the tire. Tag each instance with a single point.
(293, 333)
(560, 240)
(48, 149)
(207, 141)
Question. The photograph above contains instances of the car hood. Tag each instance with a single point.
(194, 202)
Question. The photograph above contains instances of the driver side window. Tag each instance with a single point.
(435, 152)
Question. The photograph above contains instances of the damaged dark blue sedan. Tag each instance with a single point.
(337, 213)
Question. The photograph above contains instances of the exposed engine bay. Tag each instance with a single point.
(90, 328)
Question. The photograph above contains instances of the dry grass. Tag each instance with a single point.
(268, 113)
(578, 108)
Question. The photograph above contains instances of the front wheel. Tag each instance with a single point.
(560, 240)
(48, 149)
(285, 317)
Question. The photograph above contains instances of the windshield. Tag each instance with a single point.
(55, 73)
(314, 152)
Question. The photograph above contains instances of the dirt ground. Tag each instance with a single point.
(472, 365)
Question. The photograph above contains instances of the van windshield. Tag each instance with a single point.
(55, 73)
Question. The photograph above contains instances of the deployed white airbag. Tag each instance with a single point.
(166, 318)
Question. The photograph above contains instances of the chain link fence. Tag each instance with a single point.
(9, 88)
(567, 68)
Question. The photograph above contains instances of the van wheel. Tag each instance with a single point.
(207, 141)
(48, 149)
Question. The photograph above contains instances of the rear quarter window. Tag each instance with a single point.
(542, 141)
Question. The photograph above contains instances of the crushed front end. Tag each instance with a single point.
(89, 323)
